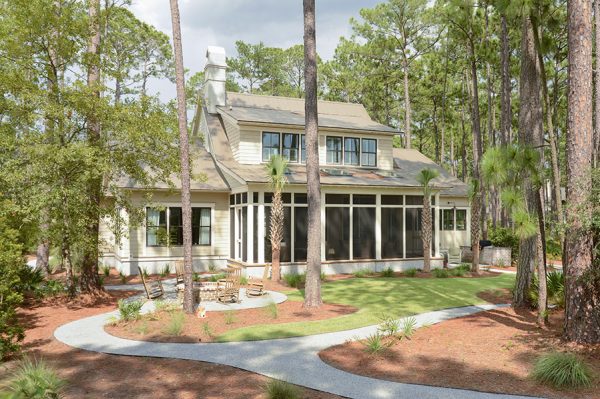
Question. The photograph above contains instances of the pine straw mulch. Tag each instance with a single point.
(491, 351)
(96, 375)
(152, 327)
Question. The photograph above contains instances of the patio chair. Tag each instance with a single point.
(153, 287)
(256, 287)
(228, 289)
(179, 272)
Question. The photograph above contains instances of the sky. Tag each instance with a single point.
(277, 23)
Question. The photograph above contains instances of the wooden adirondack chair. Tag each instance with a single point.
(256, 287)
(179, 272)
(153, 287)
(228, 289)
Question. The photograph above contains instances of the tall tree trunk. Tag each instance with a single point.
(186, 207)
(505, 117)
(276, 234)
(445, 86)
(452, 165)
(426, 222)
(582, 310)
(556, 196)
(596, 150)
(477, 207)
(463, 157)
(89, 280)
(407, 111)
(312, 290)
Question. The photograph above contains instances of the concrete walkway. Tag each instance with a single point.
(292, 359)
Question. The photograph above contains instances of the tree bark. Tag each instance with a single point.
(582, 313)
(426, 223)
(186, 207)
(89, 280)
(407, 111)
(276, 234)
(505, 117)
(596, 149)
(312, 298)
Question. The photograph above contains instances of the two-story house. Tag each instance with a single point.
(371, 200)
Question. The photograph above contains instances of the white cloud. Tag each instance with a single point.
(218, 22)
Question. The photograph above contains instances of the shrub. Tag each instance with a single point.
(105, 270)
(195, 277)
(212, 268)
(175, 324)
(375, 344)
(30, 279)
(35, 380)
(166, 270)
(323, 276)
(504, 237)
(410, 272)
(460, 271)
(207, 330)
(143, 328)
(217, 277)
(229, 317)
(389, 272)
(272, 310)
(123, 278)
(555, 288)
(144, 273)
(50, 288)
(441, 273)
(129, 310)
(243, 280)
(276, 389)
(295, 280)
(362, 273)
(562, 370)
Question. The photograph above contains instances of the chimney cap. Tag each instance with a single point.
(215, 55)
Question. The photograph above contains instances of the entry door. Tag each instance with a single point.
(239, 239)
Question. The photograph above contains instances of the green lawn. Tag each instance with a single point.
(376, 297)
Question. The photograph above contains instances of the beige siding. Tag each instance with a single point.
(233, 134)
(385, 157)
(250, 147)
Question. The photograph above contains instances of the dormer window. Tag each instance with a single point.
(270, 145)
(369, 152)
(334, 150)
(290, 147)
(351, 151)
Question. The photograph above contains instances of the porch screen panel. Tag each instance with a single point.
(300, 233)
(255, 235)
(363, 235)
(414, 242)
(286, 243)
(337, 233)
(391, 233)
(268, 254)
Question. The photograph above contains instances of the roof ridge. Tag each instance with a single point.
(294, 98)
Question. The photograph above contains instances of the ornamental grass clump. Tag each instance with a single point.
(175, 324)
(229, 317)
(272, 310)
(410, 272)
(440, 273)
(277, 389)
(389, 325)
(295, 280)
(34, 380)
(389, 272)
(562, 370)
(376, 344)
(129, 310)
(408, 327)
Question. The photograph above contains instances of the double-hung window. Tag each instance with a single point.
(270, 145)
(351, 151)
(448, 219)
(165, 227)
(290, 147)
(369, 152)
(334, 150)
(303, 147)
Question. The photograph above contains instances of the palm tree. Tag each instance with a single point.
(312, 291)
(424, 178)
(186, 207)
(276, 172)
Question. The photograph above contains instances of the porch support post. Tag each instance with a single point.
(250, 237)
(260, 228)
(323, 237)
(236, 230)
(437, 224)
(378, 227)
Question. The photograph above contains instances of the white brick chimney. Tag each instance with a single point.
(214, 78)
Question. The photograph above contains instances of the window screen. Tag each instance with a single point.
(363, 235)
(334, 150)
(351, 151)
(270, 145)
(369, 152)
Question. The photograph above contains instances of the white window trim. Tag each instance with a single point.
(210, 205)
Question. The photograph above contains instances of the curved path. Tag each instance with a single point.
(291, 359)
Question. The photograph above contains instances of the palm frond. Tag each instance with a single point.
(425, 177)
(493, 166)
(276, 169)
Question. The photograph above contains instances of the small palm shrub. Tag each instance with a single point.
(389, 326)
(105, 270)
(145, 273)
(410, 272)
(555, 286)
(195, 277)
(375, 344)
(440, 273)
(229, 317)
(122, 277)
(294, 280)
(217, 277)
(175, 324)
(276, 389)
(562, 370)
(460, 271)
(243, 280)
(206, 329)
(362, 273)
(35, 380)
(212, 268)
(389, 272)
(50, 288)
(323, 276)
(408, 327)
(129, 310)
(166, 270)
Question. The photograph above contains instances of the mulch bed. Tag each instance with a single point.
(491, 351)
(151, 327)
(96, 375)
